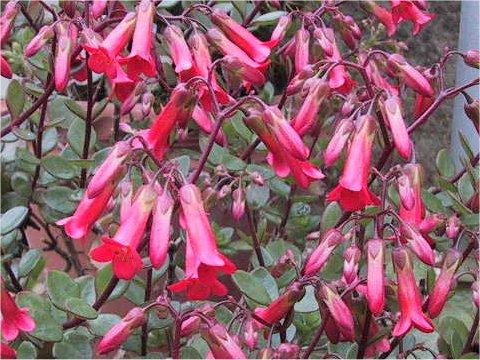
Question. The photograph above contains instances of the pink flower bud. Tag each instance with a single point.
(338, 310)
(320, 255)
(221, 343)
(280, 30)
(382, 15)
(298, 80)
(348, 28)
(342, 133)
(417, 243)
(472, 110)
(250, 335)
(120, 332)
(66, 41)
(412, 77)
(160, 231)
(38, 42)
(192, 324)
(98, 8)
(205, 121)
(415, 214)
(430, 222)
(472, 58)
(6, 70)
(7, 20)
(444, 282)
(288, 351)
(257, 178)
(302, 49)
(407, 196)
(376, 275)
(147, 102)
(326, 39)
(238, 206)
(392, 112)
(351, 257)
(453, 226)
(283, 263)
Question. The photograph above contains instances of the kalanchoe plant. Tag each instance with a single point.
(240, 177)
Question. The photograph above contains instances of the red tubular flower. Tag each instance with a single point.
(203, 260)
(121, 331)
(227, 47)
(302, 49)
(178, 110)
(88, 211)
(352, 191)
(6, 352)
(221, 344)
(320, 255)
(351, 257)
(280, 307)
(304, 120)
(342, 133)
(98, 8)
(122, 249)
(285, 133)
(140, 59)
(244, 39)
(66, 41)
(122, 85)
(439, 295)
(409, 297)
(179, 49)
(38, 42)
(280, 158)
(339, 311)
(375, 275)
(104, 55)
(14, 319)
(411, 76)
(160, 232)
(110, 170)
(382, 15)
(242, 70)
(5, 69)
(408, 10)
(392, 112)
(7, 20)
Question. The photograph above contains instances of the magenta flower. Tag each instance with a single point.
(408, 10)
(14, 319)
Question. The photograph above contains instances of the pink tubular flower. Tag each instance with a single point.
(38, 42)
(178, 110)
(120, 332)
(122, 85)
(279, 157)
(7, 20)
(6, 352)
(382, 15)
(280, 307)
(203, 260)
(340, 80)
(392, 112)
(304, 120)
(6, 70)
(66, 40)
(285, 133)
(179, 49)
(439, 295)
(405, 190)
(14, 319)
(88, 211)
(375, 275)
(221, 344)
(339, 311)
(411, 76)
(104, 55)
(320, 255)
(342, 133)
(110, 170)
(243, 38)
(121, 250)
(348, 29)
(351, 257)
(242, 70)
(140, 59)
(160, 232)
(408, 10)
(409, 297)
(352, 191)
(419, 245)
(98, 8)
(302, 49)
(227, 47)
(280, 30)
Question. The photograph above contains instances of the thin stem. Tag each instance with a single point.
(253, 233)
(251, 16)
(316, 338)
(473, 330)
(16, 284)
(366, 328)
(38, 143)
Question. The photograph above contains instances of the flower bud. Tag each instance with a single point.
(412, 77)
(7, 20)
(257, 178)
(326, 39)
(288, 351)
(453, 226)
(66, 41)
(320, 255)
(243, 70)
(342, 133)
(224, 191)
(147, 102)
(238, 205)
(302, 49)
(120, 332)
(280, 30)
(472, 110)
(417, 243)
(192, 324)
(250, 335)
(472, 58)
(376, 275)
(351, 257)
(39, 40)
(295, 85)
(283, 264)
(221, 343)
(405, 190)
(6, 70)
(392, 112)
